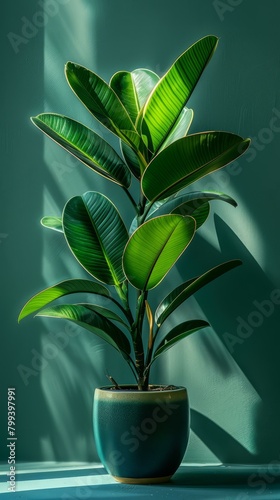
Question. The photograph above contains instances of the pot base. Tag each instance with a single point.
(142, 480)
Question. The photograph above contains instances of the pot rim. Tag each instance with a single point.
(133, 388)
(130, 392)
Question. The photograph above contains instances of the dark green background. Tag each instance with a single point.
(233, 382)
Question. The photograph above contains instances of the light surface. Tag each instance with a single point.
(226, 482)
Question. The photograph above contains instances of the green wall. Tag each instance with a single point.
(231, 370)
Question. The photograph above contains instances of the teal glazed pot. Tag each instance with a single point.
(141, 436)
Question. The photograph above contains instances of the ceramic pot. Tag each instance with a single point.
(141, 436)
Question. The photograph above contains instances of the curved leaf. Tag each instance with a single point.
(200, 214)
(91, 321)
(180, 128)
(96, 234)
(133, 88)
(185, 204)
(179, 333)
(144, 81)
(85, 145)
(100, 99)
(195, 204)
(105, 312)
(155, 247)
(185, 290)
(173, 91)
(189, 159)
(54, 223)
(61, 289)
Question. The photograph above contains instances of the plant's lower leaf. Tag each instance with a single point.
(105, 312)
(188, 160)
(155, 247)
(85, 145)
(185, 290)
(54, 223)
(179, 333)
(91, 321)
(96, 234)
(59, 290)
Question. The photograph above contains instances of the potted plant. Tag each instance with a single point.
(141, 430)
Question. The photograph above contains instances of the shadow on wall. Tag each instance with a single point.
(253, 341)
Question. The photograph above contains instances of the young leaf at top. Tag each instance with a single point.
(172, 92)
(133, 88)
(101, 100)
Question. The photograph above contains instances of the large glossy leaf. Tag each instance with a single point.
(185, 290)
(179, 333)
(133, 88)
(155, 247)
(96, 235)
(85, 145)
(91, 321)
(54, 223)
(189, 159)
(100, 99)
(59, 290)
(173, 91)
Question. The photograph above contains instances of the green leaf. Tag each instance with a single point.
(155, 247)
(195, 204)
(180, 128)
(201, 214)
(185, 290)
(91, 321)
(105, 312)
(188, 160)
(144, 81)
(85, 145)
(61, 289)
(96, 234)
(133, 88)
(179, 333)
(54, 223)
(100, 99)
(173, 91)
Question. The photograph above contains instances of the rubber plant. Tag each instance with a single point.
(149, 116)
